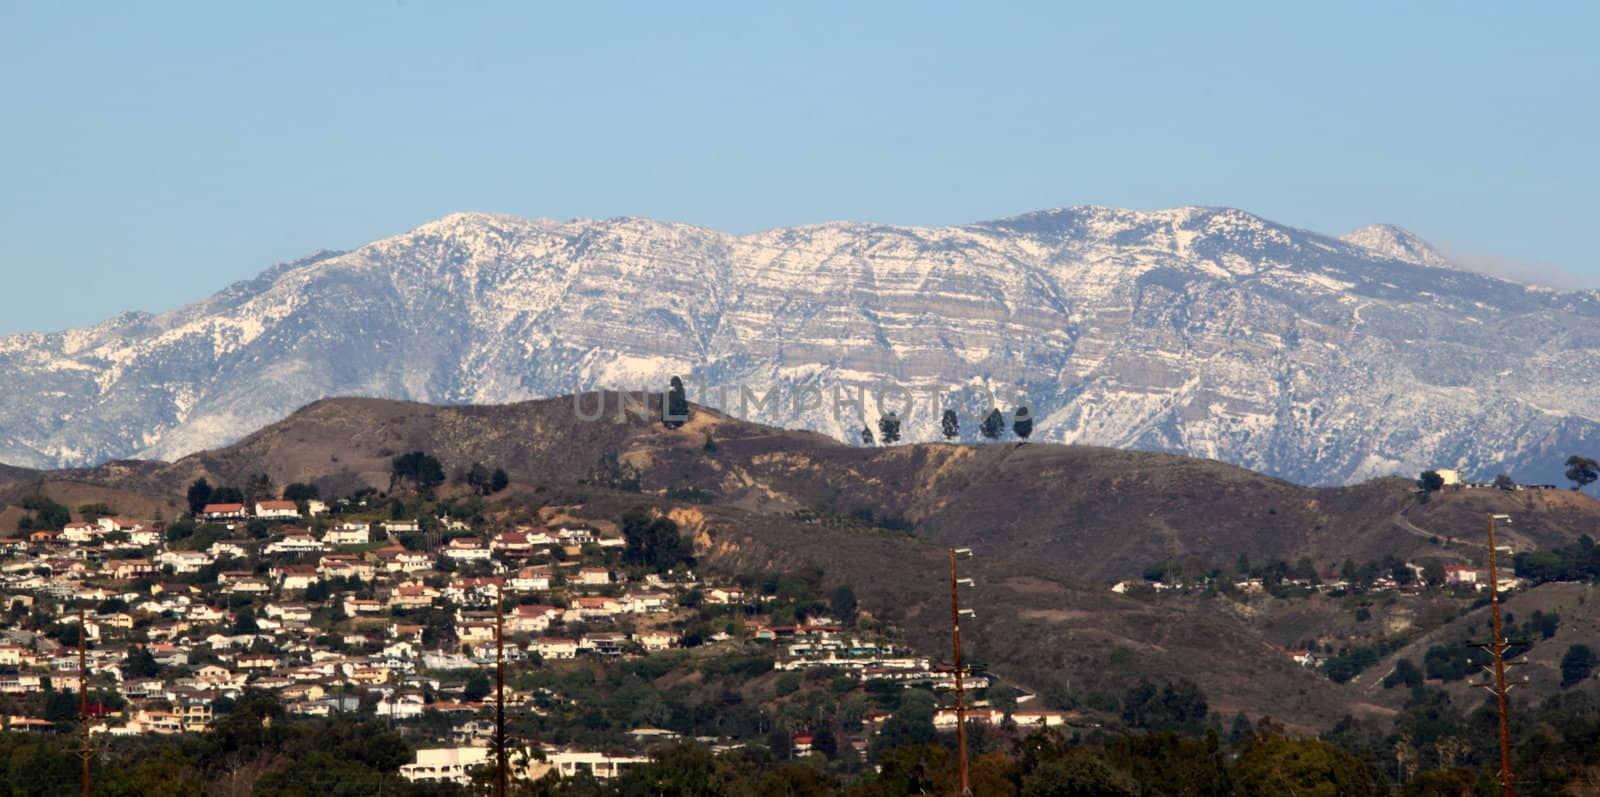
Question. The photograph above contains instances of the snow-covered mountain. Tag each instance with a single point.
(1207, 331)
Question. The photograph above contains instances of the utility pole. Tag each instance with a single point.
(500, 691)
(85, 749)
(955, 638)
(1497, 649)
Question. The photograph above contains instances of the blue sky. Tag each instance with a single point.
(153, 153)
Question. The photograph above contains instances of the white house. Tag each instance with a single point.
(556, 648)
(594, 576)
(184, 561)
(467, 549)
(294, 543)
(348, 534)
(445, 765)
(277, 510)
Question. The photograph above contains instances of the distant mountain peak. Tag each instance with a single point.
(1397, 243)
(1204, 330)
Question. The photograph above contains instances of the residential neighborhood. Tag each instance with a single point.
(333, 607)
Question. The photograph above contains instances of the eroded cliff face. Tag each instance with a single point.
(1205, 331)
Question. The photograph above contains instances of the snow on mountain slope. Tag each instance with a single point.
(1206, 331)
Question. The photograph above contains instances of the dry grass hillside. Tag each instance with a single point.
(1053, 525)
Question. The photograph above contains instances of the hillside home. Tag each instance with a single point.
(183, 562)
(296, 577)
(142, 537)
(531, 579)
(590, 608)
(575, 537)
(237, 549)
(445, 765)
(79, 533)
(533, 619)
(594, 576)
(110, 524)
(724, 595)
(473, 591)
(512, 545)
(132, 568)
(223, 512)
(294, 544)
(356, 607)
(646, 602)
(277, 510)
(348, 534)
(659, 639)
(413, 596)
(556, 648)
(344, 566)
(467, 549)
(289, 612)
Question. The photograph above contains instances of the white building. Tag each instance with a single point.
(445, 765)
(348, 534)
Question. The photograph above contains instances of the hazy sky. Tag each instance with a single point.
(151, 153)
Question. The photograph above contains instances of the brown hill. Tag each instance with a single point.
(1053, 525)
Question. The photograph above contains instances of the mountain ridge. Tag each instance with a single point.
(1202, 330)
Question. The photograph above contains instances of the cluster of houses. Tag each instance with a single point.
(334, 612)
(1456, 576)
(326, 615)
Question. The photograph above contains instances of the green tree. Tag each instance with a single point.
(1079, 773)
(677, 405)
(950, 425)
(1022, 424)
(653, 542)
(499, 480)
(787, 684)
(1582, 471)
(994, 424)
(43, 513)
(1430, 481)
(477, 687)
(418, 469)
(199, 495)
(300, 493)
(866, 436)
(227, 495)
(842, 603)
(682, 770)
(1176, 706)
(140, 663)
(1433, 574)
(889, 428)
(1274, 766)
(1405, 673)
(478, 478)
(1577, 665)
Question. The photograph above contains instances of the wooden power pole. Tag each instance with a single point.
(1497, 648)
(500, 691)
(85, 749)
(955, 638)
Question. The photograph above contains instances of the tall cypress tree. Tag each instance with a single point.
(677, 405)
(889, 428)
(1022, 424)
(950, 425)
(994, 424)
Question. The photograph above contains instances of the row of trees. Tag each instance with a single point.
(993, 426)
(1581, 471)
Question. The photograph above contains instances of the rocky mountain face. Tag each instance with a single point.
(1205, 331)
